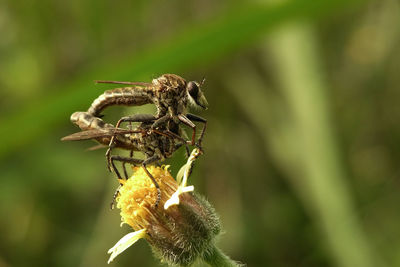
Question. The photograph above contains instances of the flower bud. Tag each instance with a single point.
(178, 235)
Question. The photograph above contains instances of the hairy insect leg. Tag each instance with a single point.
(189, 123)
(173, 135)
(134, 161)
(108, 156)
(187, 120)
(133, 118)
(116, 193)
(183, 140)
(120, 185)
(160, 121)
(202, 120)
(122, 159)
(125, 172)
(152, 159)
(168, 133)
(137, 118)
(124, 165)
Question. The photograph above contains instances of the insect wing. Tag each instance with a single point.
(97, 133)
(101, 146)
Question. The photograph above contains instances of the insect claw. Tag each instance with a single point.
(201, 150)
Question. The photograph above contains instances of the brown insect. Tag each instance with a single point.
(170, 93)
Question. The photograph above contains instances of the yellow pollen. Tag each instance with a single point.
(138, 195)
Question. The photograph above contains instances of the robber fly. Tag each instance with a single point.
(170, 93)
(156, 145)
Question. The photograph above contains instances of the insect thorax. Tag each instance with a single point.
(154, 143)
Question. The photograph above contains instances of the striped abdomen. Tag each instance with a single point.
(87, 122)
(127, 96)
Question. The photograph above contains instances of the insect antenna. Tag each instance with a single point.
(127, 83)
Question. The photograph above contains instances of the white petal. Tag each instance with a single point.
(174, 199)
(180, 174)
(189, 188)
(182, 178)
(124, 243)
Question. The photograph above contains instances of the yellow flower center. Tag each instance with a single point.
(138, 195)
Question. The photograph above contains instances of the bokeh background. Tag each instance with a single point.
(303, 144)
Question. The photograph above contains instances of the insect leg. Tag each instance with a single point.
(134, 161)
(116, 193)
(122, 159)
(133, 118)
(152, 159)
(113, 158)
(180, 138)
(160, 121)
(137, 118)
(189, 123)
(173, 135)
(198, 119)
(110, 164)
(124, 165)
(125, 172)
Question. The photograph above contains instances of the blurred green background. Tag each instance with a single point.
(302, 150)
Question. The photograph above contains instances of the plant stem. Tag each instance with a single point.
(215, 257)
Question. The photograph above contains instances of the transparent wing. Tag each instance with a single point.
(97, 133)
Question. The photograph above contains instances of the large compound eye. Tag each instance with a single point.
(193, 89)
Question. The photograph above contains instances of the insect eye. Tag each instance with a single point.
(193, 89)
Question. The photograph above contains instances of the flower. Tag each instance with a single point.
(179, 233)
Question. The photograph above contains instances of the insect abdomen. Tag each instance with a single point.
(87, 121)
(127, 96)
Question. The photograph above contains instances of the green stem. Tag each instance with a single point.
(215, 257)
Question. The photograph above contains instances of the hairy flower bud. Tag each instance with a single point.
(179, 234)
